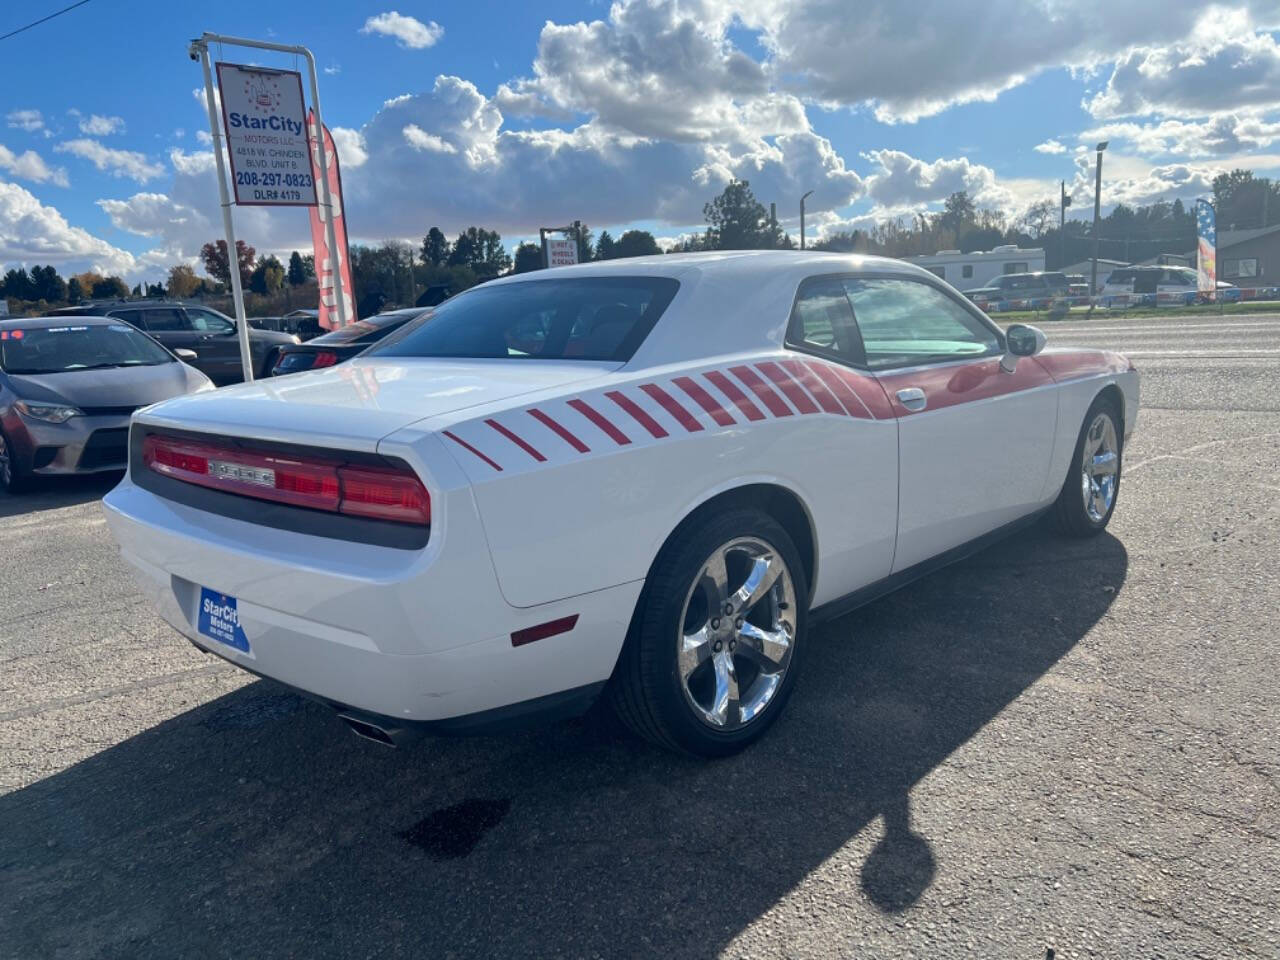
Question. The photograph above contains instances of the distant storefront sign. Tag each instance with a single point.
(562, 251)
(266, 127)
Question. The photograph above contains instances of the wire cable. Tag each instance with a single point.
(36, 23)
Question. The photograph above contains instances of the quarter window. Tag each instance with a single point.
(904, 322)
(822, 321)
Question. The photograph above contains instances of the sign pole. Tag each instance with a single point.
(233, 255)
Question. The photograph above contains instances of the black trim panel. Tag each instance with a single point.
(279, 516)
(833, 609)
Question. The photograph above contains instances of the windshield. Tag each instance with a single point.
(587, 318)
(86, 347)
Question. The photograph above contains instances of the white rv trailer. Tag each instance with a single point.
(968, 271)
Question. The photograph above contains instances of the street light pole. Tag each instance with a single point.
(802, 200)
(1062, 227)
(1097, 211)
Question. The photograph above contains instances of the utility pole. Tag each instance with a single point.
(802, 200)
(773, 221)
(1097, 212)
(1062, 226)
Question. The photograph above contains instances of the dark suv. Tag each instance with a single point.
(208, 333)
(1040, 285)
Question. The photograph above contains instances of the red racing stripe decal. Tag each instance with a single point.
(731, 390)
(466, 446)
(870, 390)
(762, 390)
(614, 434)
(826, 399)
(527, 448)
(672, 406)
(637, 414)
(799, 399)
(707, 402)
(842, 390)
(560, 431)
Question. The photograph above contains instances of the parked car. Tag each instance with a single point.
(1040, 285)
(642, 479)
(210, 335)
(1077, 285)
(1148, 283)
(68, 389)
(342, 344)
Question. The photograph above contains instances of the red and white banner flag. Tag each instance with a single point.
(327, 261)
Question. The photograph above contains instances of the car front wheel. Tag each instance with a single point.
(1088, 497)
(12, 479)
(711, 656)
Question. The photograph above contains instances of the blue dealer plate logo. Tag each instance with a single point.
(220, 620)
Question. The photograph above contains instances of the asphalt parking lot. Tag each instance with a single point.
(1052, 746)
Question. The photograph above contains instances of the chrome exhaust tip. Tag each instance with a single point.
(370, 731)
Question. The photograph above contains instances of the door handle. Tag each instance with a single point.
(912, 398)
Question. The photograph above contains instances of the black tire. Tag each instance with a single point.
(1069, 512)
(13, 479)
(646, 691)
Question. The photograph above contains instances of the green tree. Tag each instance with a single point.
(582, 234)
(528, 257)
(267, 277)
(47, 285)
(435, 248)
(958, 213)
(17, 284)
(736, 220)
(481, 250)
(606, 247)
(216, 264)
(297, 270)
(110, 288)
(183, 282)
(637, 243)
(74, 293)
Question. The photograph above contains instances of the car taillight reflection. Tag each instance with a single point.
(294, 362)
(378, 493)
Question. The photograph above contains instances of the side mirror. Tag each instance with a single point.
(185, 355)
(1021, 340)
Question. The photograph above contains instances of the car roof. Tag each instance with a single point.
(55, 321)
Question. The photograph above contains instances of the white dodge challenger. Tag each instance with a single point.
(641, 479)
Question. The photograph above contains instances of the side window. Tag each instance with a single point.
(967, 271)
(905, 322)
(164, 320)
(822, 321)
(206, 321)
(1015, 267)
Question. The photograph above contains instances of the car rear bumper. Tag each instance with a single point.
(419, 636)
(81, 445)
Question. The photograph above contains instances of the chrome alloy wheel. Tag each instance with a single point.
(737, 633)
(1100, 467)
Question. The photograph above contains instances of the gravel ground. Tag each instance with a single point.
(1052, 746)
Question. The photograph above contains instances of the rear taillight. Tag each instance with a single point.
(380, 493)
(325, 358)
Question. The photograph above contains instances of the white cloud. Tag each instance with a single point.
(1225, 65)
(419, 139)
(99, 126)
(203, 136)
(1216, 136)
(118, 163)
(29, 120)
(902, 180)
(350, 146)
(409, 32)
(29, 165)
(333, 69)
(31, 232)
(1050, 146)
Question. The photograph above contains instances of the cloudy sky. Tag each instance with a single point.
(512, 116)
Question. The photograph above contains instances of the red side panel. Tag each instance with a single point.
(953, 384)
(1074, 364)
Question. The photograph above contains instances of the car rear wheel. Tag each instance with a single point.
(12, 478)
(1088, 496)
(711, 656)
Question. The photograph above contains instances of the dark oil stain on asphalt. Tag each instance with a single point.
(253, 711)
(453, 832)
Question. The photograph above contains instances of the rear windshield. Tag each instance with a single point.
(58, 349)
(372, 329)
(583, 318)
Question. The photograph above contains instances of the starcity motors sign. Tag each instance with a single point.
(265, 123)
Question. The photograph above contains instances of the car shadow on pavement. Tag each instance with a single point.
(53, 493)
(255, 825)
